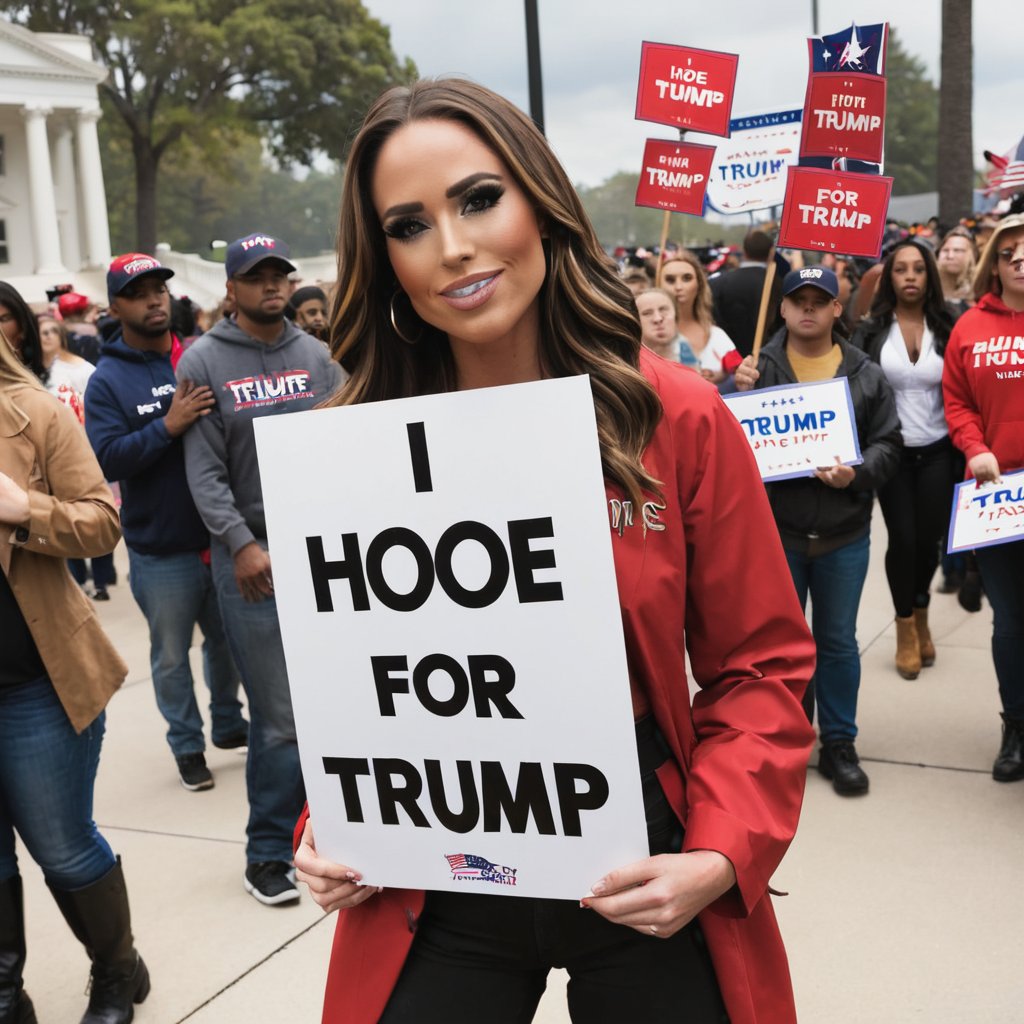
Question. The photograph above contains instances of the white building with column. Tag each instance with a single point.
(53, 209)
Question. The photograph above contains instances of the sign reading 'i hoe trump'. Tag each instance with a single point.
(449, 610)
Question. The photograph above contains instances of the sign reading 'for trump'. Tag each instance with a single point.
(447, 598)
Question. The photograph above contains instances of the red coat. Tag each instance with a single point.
(982, 386)
(716, 571)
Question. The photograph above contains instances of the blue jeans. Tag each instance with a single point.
(1002, 572)
(175, 592)
(834, 581)
(273, 777)
(47, 775)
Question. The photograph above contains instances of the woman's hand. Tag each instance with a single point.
(746, 375)
(14, 506)
(714, 376)
(332, 886)
(662, 894)
(984, 467)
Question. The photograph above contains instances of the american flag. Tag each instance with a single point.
(467, 865)
(1007, 174)
(857, 48)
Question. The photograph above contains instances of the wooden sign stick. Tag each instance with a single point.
(661, 247)
(766, 298)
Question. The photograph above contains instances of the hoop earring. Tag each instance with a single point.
(394, 320)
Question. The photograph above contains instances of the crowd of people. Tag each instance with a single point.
(466, 260)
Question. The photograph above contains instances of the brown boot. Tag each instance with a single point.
(908, 650)
(924, 637)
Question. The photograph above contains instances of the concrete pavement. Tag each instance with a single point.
(905, 905)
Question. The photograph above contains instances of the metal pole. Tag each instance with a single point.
(533, 64)
(814, 17)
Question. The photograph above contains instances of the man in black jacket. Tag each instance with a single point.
(825, 519)
(737, 293)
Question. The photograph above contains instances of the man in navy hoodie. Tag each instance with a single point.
(258, 364)
(136, 414)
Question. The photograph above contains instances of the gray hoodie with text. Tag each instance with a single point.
(249, 379)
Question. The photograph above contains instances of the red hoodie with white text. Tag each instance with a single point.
(983, 383)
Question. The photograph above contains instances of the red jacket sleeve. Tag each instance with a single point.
(962, 414)
(752, 656)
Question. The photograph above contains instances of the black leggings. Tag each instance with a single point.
(486, 958)
(916, 504)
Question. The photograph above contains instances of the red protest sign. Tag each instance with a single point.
(674, 176)
(830, 211)
(844, 115)
(686, 88)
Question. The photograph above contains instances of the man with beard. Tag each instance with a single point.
(257, 363)
(136, 415)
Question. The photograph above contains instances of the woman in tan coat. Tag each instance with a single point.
(54, 685)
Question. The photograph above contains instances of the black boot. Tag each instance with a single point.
(99, 917)
(1009, 763)
(15, 1005)
(839, 762)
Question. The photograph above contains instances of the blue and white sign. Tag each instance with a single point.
(796, 429)
(986, 514)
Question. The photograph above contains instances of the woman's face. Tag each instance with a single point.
(11, 328)
(657, 319)
(678, 277)
(463, 239)
(955, 256)
(49, 340)
(1009, 267)
(909, 276)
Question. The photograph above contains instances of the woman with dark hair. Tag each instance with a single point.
(18, 324)
(466, 260)
(984, 393)
(906, 332)
(55, 682)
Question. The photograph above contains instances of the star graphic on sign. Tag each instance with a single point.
(853, 51)
(826, 56)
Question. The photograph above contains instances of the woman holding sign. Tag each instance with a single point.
(466, 261)
(983, 383)
(906, 334)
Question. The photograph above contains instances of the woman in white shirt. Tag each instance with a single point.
(684, 278)
(906, 332)
(66, 375)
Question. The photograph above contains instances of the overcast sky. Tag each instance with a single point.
(590, 54)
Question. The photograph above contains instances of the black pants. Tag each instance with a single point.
(916, 504)
(485, 958)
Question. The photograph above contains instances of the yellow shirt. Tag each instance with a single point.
(808, 370)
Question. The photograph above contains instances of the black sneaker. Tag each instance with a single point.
(194, 773)
(100, 594)
(970, 591)
(239, 741)
(271, 882)
(838, 761)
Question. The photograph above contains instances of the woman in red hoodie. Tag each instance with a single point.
(983, 386)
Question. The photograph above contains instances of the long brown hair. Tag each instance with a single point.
(702, 301)
(588, 322)
(985, 277)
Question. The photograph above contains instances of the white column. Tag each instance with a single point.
(42, 208)
(93, 199)
(67, 196)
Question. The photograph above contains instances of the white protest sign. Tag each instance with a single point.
(798, 428)
(985, 514)
(447, 597)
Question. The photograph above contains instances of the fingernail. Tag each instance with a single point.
(598, 888)
(351, 876)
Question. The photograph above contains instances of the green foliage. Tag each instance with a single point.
(300, 73)
(618, 221)
(911, 122)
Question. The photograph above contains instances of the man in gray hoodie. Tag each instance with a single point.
(257, 364)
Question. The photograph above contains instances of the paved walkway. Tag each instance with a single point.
(905, 905)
